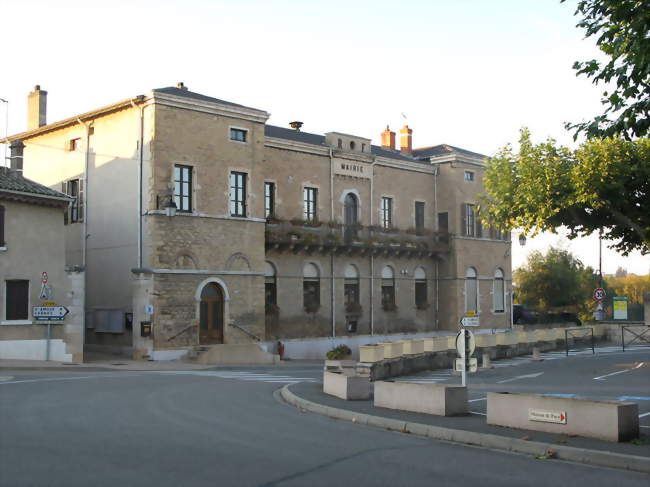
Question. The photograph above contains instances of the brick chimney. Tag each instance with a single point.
(406, 140)
(36, 108)
(16, 159)
(388, 139)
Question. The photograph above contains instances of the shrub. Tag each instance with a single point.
(337, 353)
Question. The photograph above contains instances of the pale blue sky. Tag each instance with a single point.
(465, 72)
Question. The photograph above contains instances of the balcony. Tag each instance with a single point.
(323, 238)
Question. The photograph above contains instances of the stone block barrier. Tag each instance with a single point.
(437, 399)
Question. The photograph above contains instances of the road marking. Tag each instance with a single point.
(560, 395)
(633, 398)
(644, 415)
(602, 377)
(644, 426)
(527, 376)
(476, 412)
(242, 376)
(63, 378)
(479, 399)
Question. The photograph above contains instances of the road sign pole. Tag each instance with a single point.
(464, 357)
(47, 342)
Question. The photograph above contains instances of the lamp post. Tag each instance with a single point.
(170, 207)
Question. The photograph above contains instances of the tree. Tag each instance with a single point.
(556, 281)
(604, 184)
(623, 28)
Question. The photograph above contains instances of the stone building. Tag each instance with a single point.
(199, 223)
(32, 273)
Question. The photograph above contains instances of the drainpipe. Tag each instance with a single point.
(372, 257)
(437, 229)
(84, 236)
(140, 170)
(332, 300)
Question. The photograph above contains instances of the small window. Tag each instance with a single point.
(239, 135)
(310, 204)
(269, 200)
(386, 212)
(388, 289)
(363, 147)
(340, 144)
(352, 145)
(469, 175)
(419, 217)
(238, 194)
(74, 144)
(17, 300)
(421, 300)
(183, 188)
(469, 220)
(471, 290)
(498, 291)
(351, 289)
(443, 222)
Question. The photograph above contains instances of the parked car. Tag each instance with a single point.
(523, 315)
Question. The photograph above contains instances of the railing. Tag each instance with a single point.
(245, 331)
(639, 338)
(340, 238)
(579, 334)
(189, 327)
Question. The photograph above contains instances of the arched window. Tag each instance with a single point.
(352, 145)
(351, 212)
(498, 292)
(311, 288)
(471, 290)
(270, 287)
(388, 289)
(421, 299)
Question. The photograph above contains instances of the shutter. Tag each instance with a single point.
(479, 226)
(80, 199)
(463, 219)
(64, 189)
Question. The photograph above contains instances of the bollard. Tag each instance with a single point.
(536, 355)
(486, 361)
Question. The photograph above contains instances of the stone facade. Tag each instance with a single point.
(384, 222)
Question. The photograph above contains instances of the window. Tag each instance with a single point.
(350, 217)
(17, 300)
(443, 222)
(351, 289)
(237, 194)
(386, 212)
(311, 288)
(340, 144)
(270, 288)
(74, 144)
(419, 217)
(471, 290)
(469, 176)
(310, 196)
(2, 226)
(471, 223)
(238, 135)
(421, 299)
(183, 188)
(75, 212)
(269, 199)
(498, 292)
(352, 145)
(388, 289)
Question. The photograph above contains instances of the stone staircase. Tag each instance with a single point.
(231, 354)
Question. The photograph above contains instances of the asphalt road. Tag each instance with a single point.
(225, 428)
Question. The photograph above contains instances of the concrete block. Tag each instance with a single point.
(412, 347)
(371, 353)
(486, 341)
(605, 420)
(508, 338)
(528, 336)
(436, 344)
(436, 399)
(346, 387)
(451, 342)
(428, 344)
(542, 335)
(392, 349)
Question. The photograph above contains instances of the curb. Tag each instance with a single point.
(485, 440)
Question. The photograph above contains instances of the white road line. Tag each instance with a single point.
(644, 426)
(476, 412)
(479, 399)
(527, 376)
(644, 415)
(62, 378)
(619, 372)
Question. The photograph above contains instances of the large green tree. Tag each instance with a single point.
(621, 29)
(556, 281)
(604, 184)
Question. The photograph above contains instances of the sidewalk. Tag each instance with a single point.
(474, 430)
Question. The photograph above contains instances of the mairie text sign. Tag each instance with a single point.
(547, 416)
(49, 313)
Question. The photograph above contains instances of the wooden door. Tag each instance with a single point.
(211, 315)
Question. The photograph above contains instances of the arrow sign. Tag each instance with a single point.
(49, 313)
(528, 376)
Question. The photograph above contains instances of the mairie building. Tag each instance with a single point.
(198, 224)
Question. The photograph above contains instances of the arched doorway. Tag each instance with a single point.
(211, 315)
(351, 215)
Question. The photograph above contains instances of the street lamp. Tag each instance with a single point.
(522, 239)
(170, 207)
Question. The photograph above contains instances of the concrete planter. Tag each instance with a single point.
(437, 399)
(428, 344)
(371, 353)
(392, 349)
(346, 387)
(451, 342)
(412, 347)
(528, 336)
(510, 338)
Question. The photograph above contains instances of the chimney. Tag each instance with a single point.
(36, 108)
(181, 86)
(406, 140)
(296, 125)
(16, 158)
(388, 139)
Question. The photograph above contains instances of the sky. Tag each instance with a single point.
(469, 73)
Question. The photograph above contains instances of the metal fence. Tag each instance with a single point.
(637, 335)
(576, 336)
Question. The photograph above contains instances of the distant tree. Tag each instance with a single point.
(556, 281)
(602, 185)
(631, 285)
(620, 272)
(622, 28)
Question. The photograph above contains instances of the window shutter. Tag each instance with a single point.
(80, 201)
(463, 219)
(64, 189)
(479, 227)
(2, 226)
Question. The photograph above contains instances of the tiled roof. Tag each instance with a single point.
(319, 140)
(172, 90)
(443, 149)
(16, 183)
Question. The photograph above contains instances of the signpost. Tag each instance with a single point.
(547, 416)
(599, 294)
(465, 346)
(49, 312)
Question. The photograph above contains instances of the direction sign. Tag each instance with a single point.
(461, 346)
(49, 313)
(469, 321)
(599, 294)
(547, 416)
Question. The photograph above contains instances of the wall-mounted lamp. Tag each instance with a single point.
(522, 239)
(170, 207)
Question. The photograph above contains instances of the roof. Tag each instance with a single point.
(185, 93)
(319, 140)
(14, 185)
(443, 149)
